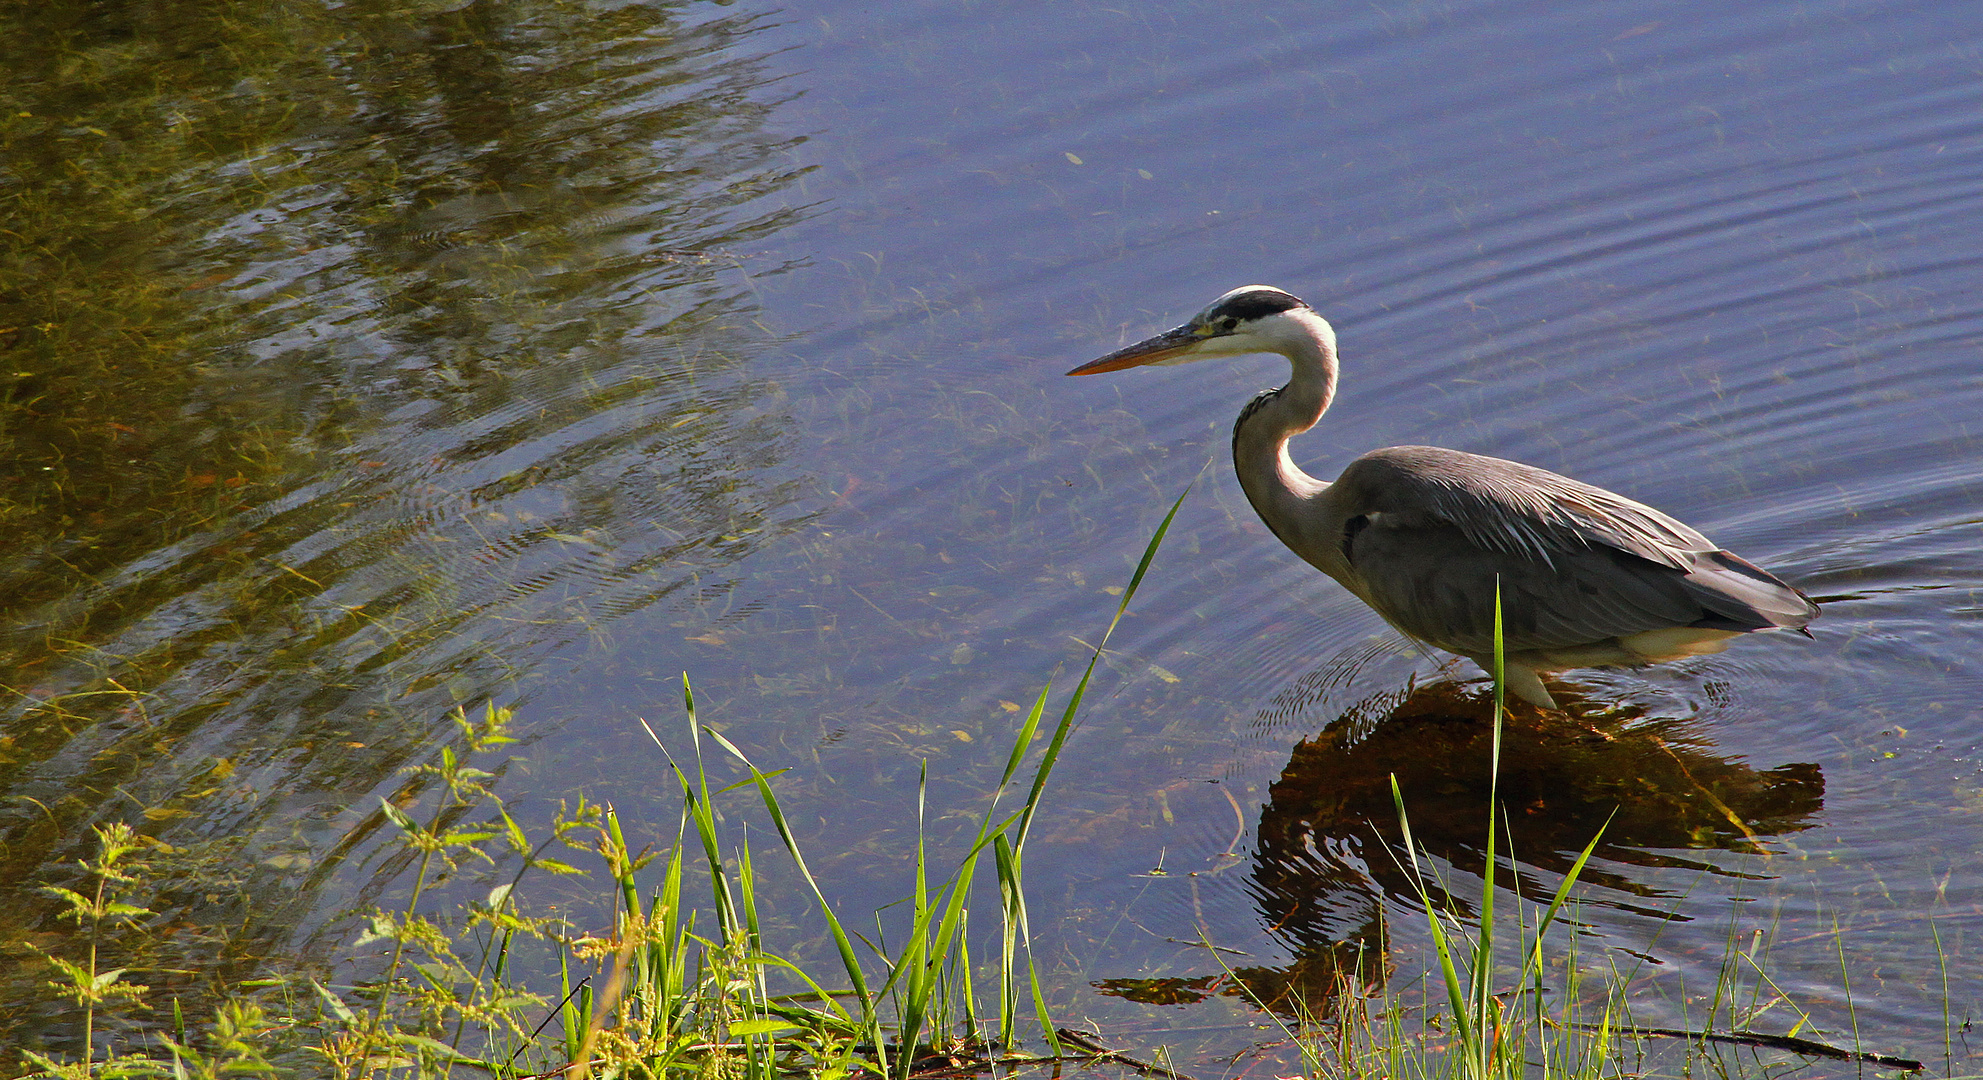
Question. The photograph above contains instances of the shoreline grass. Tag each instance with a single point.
(667, 995)
(674, 986)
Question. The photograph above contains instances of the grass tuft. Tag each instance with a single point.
(668, 987)
(499, 986)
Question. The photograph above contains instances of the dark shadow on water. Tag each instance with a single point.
(1330, 860)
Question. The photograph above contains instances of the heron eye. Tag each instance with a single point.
(1228, 323)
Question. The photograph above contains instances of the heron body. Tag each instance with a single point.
(1426, 536)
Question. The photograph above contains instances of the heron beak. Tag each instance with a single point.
(1168, 345)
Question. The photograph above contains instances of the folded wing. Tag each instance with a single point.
(1434, 532)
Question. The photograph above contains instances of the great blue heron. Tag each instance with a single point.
(1424, 535)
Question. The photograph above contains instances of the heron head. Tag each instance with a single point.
(1249, 319)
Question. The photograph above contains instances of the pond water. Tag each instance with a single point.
(363, 361)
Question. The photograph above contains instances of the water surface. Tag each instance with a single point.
(385, 360)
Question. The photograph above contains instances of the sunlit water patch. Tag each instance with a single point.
(357, 367)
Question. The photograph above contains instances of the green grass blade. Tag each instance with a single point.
(849, 961)
(1023, 741)
(1456, 990)
(1066, 724)
(1486, 1018)
(1014, 900)
(705, 821)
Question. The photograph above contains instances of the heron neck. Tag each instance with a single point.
(1274, 484)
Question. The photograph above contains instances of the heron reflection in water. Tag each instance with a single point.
(1331, 868)
(1425, 536)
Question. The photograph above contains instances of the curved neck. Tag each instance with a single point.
(1274, 484)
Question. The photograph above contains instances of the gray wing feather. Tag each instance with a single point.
(1575, 564)
(1514, 508)
(1741, 592)
(1437, 585)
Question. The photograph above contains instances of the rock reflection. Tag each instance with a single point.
(351, 361)
(1330, 858)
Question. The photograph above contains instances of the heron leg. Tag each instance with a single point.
(1524, 683)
